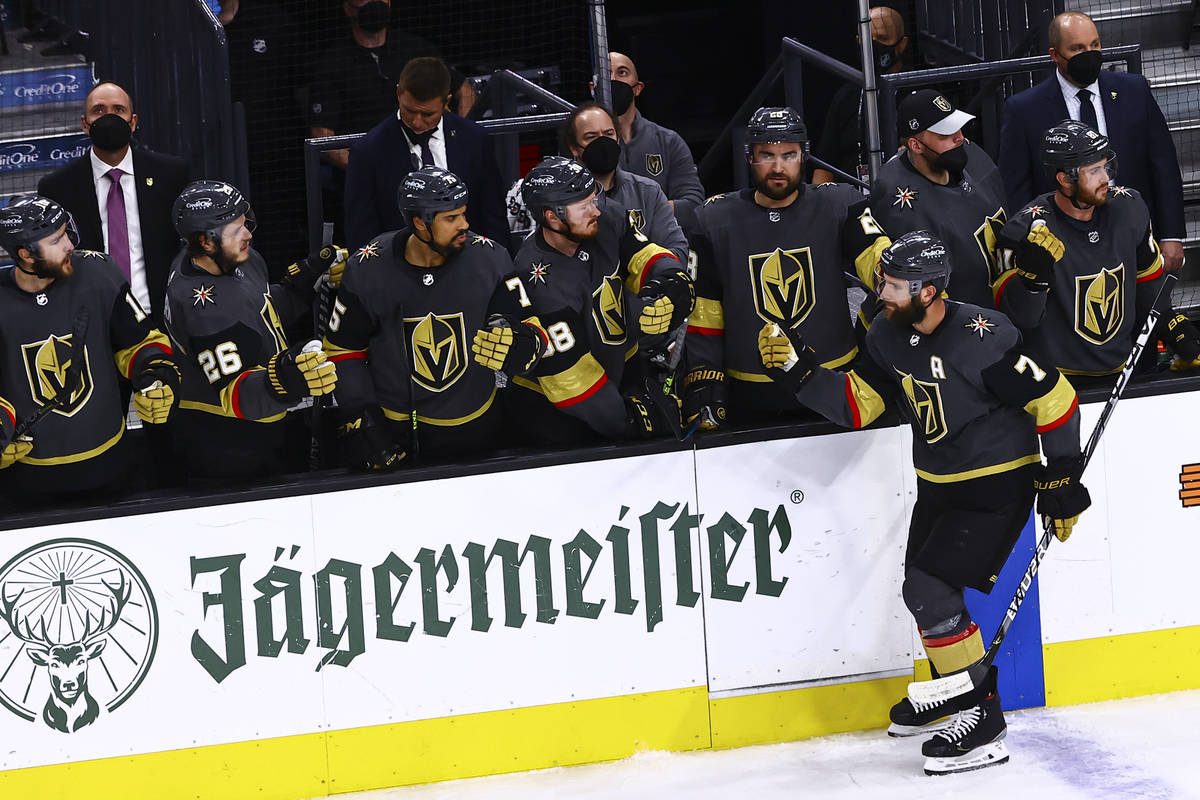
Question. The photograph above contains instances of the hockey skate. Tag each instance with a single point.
(907, 720)
(973, 739)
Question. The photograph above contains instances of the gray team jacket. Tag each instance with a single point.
(661, 155)
(633, 193)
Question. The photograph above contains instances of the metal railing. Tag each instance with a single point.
(966, 31)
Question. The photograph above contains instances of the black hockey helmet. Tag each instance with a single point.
(1070, 145)
(774, 124)
(918, 257)
(207, 207)
(429, 190)
(25, 222)
(555, 183)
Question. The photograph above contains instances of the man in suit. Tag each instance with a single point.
(1118, 105)
(121, 197)
(421, 134)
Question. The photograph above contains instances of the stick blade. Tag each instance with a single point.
(939, 690)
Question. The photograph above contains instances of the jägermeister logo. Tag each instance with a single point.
(79, 632)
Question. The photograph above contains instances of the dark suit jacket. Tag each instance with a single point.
(380, 161)
(1137, 132)
(159, 180)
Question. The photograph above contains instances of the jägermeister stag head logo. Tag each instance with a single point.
(80, 629)
(783, 286)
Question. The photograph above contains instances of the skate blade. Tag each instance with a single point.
(989, 755)
(903, 731)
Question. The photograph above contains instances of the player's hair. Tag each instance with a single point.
(194, 248)
(1057, 23)
(425, 78)
(567, 137)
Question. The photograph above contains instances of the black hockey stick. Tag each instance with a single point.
(324, 309)
(926, 694)
(79, 327)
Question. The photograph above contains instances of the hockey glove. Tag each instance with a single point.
(1060, 495)
(368, 444)
(704, 398)
(304, 273)
(669, 300)
(1184, 340)
(509, 345)
(299, 371)
(154, 389)
(14, 451)
(789, 361)
(644, 418)
(1040, 251)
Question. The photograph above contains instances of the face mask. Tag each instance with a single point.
(1084, 68)
(885, 55)
(110, 133)
(601, 156)
(374, 16)
(954, 160)
(622, 97)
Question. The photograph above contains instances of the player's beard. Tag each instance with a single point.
(580, 233)
(909, 314)
(58, 271)
(1094, 198)
(764, 188)
(453, 247)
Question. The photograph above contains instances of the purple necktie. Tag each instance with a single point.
(118, 225)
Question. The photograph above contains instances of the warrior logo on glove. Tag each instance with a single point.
(783, 286)
(1100, 304)
(46, 364)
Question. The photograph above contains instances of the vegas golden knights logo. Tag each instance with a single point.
(654, 163)
(783, 286)
(271, 319)
(925, 400)
(985, 236)
(46, 364)
(438, 349)
(637, 223)
(1100, 304)
(608, 310)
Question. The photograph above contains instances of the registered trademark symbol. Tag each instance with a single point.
(797, 496)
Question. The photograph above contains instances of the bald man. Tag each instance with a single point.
(843, 137)
(1118, 105)
(658, 153)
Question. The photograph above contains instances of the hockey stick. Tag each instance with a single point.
(926, 694)
(79, 327)
(668, 360)
(323, 309)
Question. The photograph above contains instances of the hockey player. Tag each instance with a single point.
(773, 253)
(942, 183)
(977, 402)
(401, 332)
(71, 331)
(602, 290)
(227, 321)
(1083, 263)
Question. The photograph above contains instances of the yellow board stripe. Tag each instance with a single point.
(1128, 665)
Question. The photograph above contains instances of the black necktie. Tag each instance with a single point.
(1087, 111)
(422, 141)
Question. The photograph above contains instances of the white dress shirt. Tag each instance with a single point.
(1071, 96)
(137, 256)
(437, 146)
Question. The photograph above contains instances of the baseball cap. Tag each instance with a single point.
(929, 110)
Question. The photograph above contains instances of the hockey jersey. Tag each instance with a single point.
(966, 215)
(1105, 282)
(36, 339)
(976, 400)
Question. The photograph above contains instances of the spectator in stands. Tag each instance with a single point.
(844, 139)
(649, 149)
(421, 133)
(120, 196)
(590, 135)
(1118, 105)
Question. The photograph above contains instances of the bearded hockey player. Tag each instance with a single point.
(603, 291)
(71, 330)
(1084, 266)
(978, 403)
(227, 321)
(775, 253)
(410, 307)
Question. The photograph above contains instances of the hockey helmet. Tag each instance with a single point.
(556, 183)
(429, 190)
(25, 222)
(918, 257)
(769, 125)
(207, 207)
(1070, 145)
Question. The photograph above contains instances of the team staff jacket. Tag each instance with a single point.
(661, 154)
(589, 307)
(228, 327)
(401, 334)
(1105, 282)
(36, 337)
(976, 400)
(966, 214)
(633, 194)
(780, 265)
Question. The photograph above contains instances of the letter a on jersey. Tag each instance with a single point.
(925, 400)
(1100, 304)
(783, 286)
(438, 349)
(46, 364)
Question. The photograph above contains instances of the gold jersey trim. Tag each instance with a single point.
(1054, 404)
(574, 383)
(708, 314)
(75, 458)
(212, 408)
(1007, 466)
(398, 416)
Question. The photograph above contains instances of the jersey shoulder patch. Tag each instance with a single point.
(716, 198)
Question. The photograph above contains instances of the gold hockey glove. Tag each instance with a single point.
(789, 361)
(509, 346)
(14, 451)
(1039, 253)
(1060, 495)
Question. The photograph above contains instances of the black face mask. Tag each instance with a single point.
(622, 97)
(601, 156)
(954, 160)
(1084, 68)
(110, 133)
(885, 55)
(374, 16)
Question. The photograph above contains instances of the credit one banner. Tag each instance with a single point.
(44, 153)
(32, 87)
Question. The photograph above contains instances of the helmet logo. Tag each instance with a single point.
(943, 104)
(1100, 304)
(1057, 138)
(438, 349)
(203, 204)
(783, 286)
(934, 251)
